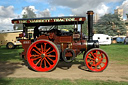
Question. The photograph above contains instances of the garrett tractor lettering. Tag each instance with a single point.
(50, 45)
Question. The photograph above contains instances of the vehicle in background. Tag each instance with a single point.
(10, 38)
(118, 39)
(102, 38)
(126, 40)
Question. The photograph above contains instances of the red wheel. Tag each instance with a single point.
(96, 60)
(43, 55)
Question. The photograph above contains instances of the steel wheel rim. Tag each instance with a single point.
(96, 60)
(42, 55)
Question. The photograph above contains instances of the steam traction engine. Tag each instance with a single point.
(49, 46)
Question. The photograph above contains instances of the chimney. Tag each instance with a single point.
(90, 25)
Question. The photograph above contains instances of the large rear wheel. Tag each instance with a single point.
(96, 60)
(43, 55)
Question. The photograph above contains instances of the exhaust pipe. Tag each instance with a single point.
(90, 25)
(91, 43)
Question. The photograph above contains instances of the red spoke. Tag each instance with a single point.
(44, 63)
(48, 49)
(100, 66)
(103, 62)
(96, 53)
(93, 63)
(50, 52)
(104, 58)
(34, 55)
(92, 54)
(38, 49)
(38, 62)
(50, 59)
(90, 61)
(42, 48)
(51, 55)
(101, 55)
(41, 62)
(45, 46)
(47, 61)
(37, 52)
(90, 58)
(35, 58)
(96, 67)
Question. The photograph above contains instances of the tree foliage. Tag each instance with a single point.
(85, 28)
(68, 27)
(110, 24)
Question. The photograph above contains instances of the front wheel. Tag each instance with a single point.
(96, 60)
(43, 55)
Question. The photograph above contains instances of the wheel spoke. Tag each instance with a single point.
(104, 58)
(48, 49)
(90, 61)
(37, 49)
(41, 47)
(103, 62)
(50, 52)
(38, 62)
(34, 55)
(51, 55)
(36, 52)
(41, 62)
(35, 58)
(96, 67)
(50, 59)
(47, 61)
(92, 54)
(96, 53)
(90, 58)
(44, 63)
(100, 66)
(45, 46)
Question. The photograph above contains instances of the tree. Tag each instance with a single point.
(29, 13)
(110, 24)
(68, 27)
(85, 28)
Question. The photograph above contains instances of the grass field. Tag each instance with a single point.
(45, 81)
(116, 52)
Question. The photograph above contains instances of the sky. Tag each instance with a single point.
(10, 9)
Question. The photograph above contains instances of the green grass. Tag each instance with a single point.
(10, 55)
(45, 81)
(117, 52)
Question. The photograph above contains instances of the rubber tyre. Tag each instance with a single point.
(10, 45)
(64, 57)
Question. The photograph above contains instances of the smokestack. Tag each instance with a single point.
(90, 25)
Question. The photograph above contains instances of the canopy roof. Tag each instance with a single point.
(45, 21)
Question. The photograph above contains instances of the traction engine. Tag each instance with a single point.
(48, 47)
